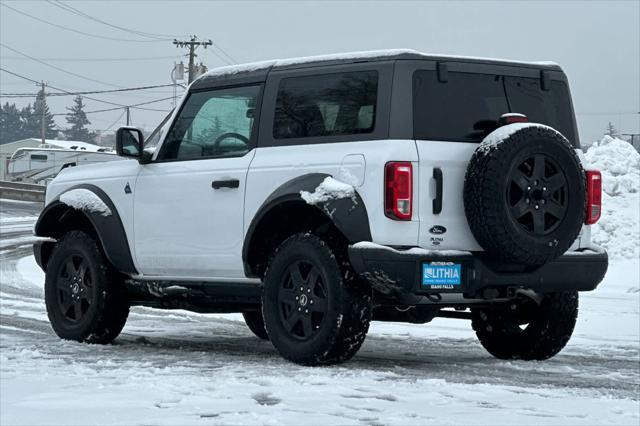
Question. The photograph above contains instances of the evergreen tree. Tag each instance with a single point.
(78, 121)
(30, 123)
(50, 131)
(11, 128)
(611, 130)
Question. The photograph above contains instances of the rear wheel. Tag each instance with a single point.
(86, 300)
(315, 312)
(527, 330)
(255, 322)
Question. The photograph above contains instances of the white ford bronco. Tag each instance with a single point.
(319, 194)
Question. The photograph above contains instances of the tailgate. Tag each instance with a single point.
(443, 224)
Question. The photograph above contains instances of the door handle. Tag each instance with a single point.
(437, 202)
(227, 183)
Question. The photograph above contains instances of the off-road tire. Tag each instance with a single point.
(488, 203)
(107, 313)
(255, 322)
(549, 328)
(348, 302)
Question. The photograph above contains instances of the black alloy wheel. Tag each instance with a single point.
(302, 299)
(75, 290)
(525, 196)
(537, 195)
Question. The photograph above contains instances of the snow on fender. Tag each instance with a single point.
(329, 189)
(85, 200)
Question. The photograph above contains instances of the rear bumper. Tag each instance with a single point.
(399, 273)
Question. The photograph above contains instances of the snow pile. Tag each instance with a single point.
(619, 164)
(83, 199)
(618, 230)
(329, 189)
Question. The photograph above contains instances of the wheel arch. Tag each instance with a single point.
(57, 218)
(284, 213)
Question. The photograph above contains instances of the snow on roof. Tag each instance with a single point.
(78, 145)
(255, 66)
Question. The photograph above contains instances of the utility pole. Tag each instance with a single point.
(192, 45)
(128, 115)
(42, 119)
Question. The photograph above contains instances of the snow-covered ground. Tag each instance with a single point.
(176, 367)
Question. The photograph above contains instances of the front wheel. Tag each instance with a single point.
(315, 312)
(527, 330)
(86, 300)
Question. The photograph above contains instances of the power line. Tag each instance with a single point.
(20, 76)
(115, 122)
(57, 88)
(139, 58)
(58, 68)
(137, 106)
(220, 57)
(128, 89)
(71, 9)
(74, 30)
(153, 109)
(231, 58)
(86, 97)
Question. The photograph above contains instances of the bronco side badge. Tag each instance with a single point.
(127, 189)
(437, 230)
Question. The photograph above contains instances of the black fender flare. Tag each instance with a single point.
(109, 229)
(349, 215)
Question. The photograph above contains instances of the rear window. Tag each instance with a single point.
(550, 107)
(467, 107)
(326, 105)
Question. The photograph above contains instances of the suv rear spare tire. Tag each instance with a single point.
(524, 194)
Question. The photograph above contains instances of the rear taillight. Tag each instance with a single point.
(594, 197)
(398, 190)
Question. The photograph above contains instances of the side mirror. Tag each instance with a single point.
(129, 142)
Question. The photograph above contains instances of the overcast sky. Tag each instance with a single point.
(597, 44)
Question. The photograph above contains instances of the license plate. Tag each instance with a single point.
(441, 275)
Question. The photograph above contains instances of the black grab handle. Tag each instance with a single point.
(229, 183)
(437, 202)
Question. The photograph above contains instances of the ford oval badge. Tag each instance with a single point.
(437, 229)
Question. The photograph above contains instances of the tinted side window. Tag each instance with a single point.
(550, 107)
(466, 108)
(326, 105)
(38, 157)
(212, 124)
